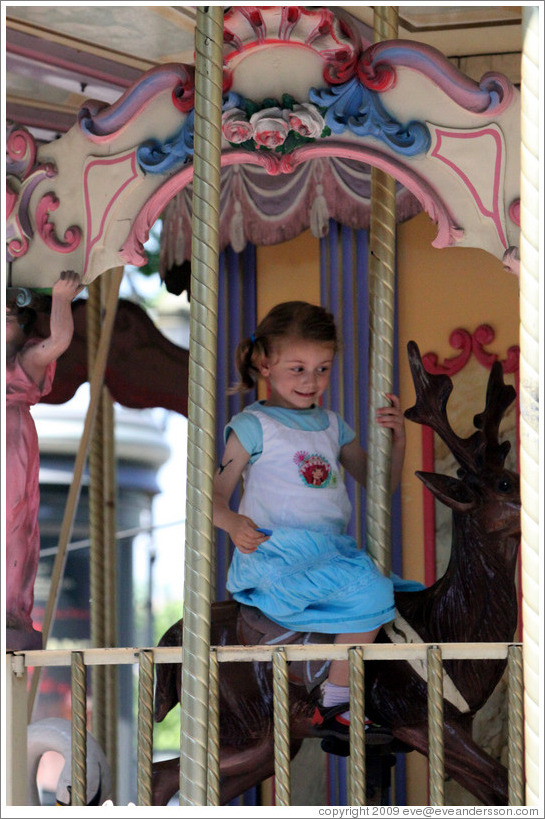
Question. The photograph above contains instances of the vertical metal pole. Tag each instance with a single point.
(109, 569)
(531, 299)
(93, 309)
(515, 727)
(436, 752)
(16, 730)
(79, 730)
(213, 797)
(103, 561)
(202, 409)
(281, 728)
(145, 727)
(357, 795)
(382, 235)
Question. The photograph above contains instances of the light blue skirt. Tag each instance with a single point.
(313, 581)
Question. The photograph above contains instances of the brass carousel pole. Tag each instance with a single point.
(382, 236)
(102, 517)
(202, 405)
(530, 303)
(96, 515)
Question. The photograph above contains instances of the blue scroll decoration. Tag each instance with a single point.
(354, 107)
(160, 157)
(233, 100)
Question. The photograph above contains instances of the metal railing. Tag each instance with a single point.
(432, 656)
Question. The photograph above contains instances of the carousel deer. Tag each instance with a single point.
(474, 601)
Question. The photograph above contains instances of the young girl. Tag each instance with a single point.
(30, 367)
(293, 558)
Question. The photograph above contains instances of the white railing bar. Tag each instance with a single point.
(323, 651)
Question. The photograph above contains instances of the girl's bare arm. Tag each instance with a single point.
(241, 529)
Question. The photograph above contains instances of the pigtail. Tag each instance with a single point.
(246, 355)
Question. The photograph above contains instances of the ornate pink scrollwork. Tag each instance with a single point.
(17, 242)
(514, 211)
(379, 62)
(315, 28)
(21, 152)
(102, 123)
(471, 343)
(459, 339)
(378, 76)
(11, 199)
(19, 192)
(46, 230)
(484, 334)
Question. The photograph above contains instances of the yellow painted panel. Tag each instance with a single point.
(440, 290)
(288, 272)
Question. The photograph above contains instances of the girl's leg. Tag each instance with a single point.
(331, 719)
(338, 671)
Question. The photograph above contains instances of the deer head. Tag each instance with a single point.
(483, 486)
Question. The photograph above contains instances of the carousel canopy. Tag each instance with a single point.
(100, 101)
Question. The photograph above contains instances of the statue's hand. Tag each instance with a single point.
(68, 285)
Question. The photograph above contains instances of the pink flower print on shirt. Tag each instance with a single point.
(315, 470)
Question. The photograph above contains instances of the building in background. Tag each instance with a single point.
(150, 449)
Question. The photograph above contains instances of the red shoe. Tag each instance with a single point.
(328, 722)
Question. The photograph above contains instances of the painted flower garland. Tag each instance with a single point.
(271, 126)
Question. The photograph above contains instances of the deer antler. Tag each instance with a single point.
(432, 394)
(499, 396)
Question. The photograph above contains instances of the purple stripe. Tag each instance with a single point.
(236, 320)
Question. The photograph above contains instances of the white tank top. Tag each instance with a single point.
(296, 481)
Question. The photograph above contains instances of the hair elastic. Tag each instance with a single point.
(252, 338)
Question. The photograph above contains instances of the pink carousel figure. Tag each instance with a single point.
(30, 368)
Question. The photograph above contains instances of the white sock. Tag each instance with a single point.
(335, 695)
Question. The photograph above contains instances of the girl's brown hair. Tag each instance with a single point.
(290, 319)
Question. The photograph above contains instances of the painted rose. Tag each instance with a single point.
(306, 120)
(270, 128)
(235, 126)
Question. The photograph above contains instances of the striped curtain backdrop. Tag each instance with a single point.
(236, 320)
(344, 291)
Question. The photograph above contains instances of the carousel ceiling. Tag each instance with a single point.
(105, 95)
(58, 56)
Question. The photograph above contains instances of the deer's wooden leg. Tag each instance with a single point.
(165, 780)
(248, 768)
(465, 762)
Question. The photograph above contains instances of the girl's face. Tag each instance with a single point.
(297, 373)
